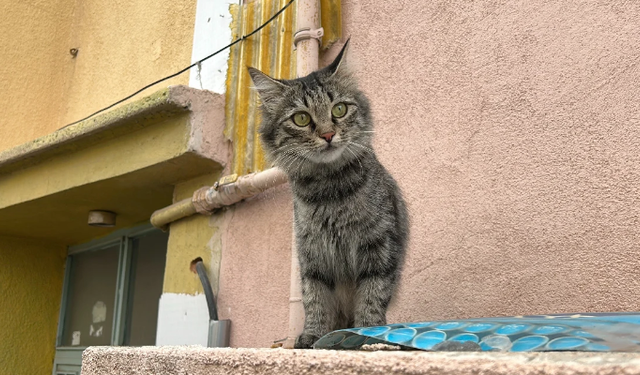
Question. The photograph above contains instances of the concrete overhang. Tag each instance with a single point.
(126, 160)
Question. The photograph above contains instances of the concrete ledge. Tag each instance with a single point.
(108, 124)
(198, 360)
(126, 160)
(166, 103)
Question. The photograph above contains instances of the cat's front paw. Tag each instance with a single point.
(305, 341)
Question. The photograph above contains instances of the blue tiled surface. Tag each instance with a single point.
(599, 332)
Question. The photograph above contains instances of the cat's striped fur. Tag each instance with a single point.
(351, 223)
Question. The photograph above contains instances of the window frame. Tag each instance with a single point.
(123, 237)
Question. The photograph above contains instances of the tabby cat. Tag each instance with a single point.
(351, 222)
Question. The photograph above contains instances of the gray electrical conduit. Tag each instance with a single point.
(198, 267)
(219, 330)
(226, 192)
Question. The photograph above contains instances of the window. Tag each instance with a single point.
(111, 293)
(92, 280)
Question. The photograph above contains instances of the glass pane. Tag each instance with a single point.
(147, 275)
(92, 288)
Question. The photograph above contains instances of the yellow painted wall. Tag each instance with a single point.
(192, 237)
(31, 274)
(123, 45)
(34, 62)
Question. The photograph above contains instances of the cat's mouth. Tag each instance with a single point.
(332, 147)
(329, 153)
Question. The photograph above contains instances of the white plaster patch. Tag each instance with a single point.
(211, 33)
(182, 320)
(75, 338)
(93, 331)
(99, 312)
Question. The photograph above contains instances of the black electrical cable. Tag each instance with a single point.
(206, 286)
(208, 292)
(187, 68)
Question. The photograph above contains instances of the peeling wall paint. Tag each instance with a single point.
(272, 52)
(331, 20)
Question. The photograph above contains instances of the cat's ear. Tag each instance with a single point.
(339, 63)
(264, 83)
(268, 88)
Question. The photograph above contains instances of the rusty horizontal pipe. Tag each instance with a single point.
(208, 199)
(165, 216)
(245, 187)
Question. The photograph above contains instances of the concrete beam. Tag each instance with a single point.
(126, 160)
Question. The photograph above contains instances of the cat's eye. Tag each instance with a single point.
(339, 110)
(301, 119)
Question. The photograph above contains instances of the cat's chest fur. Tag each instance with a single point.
(332, 230)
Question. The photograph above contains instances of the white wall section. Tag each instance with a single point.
(183, 319)
(212, 32)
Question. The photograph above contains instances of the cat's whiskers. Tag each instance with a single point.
(302, 159)
(284, 160)
(364, 148)
(290, 159)
(299, 157)
(290, 156)
(354, 155)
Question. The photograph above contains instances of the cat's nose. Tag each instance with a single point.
(328, 136)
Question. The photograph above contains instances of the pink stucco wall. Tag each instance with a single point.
(255, 268)
(513, 128)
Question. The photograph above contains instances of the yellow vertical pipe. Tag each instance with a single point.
(270, 50)
(231, 94)
(244, 82)
(331, 19)
(264, 65)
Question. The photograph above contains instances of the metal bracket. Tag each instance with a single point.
(226, 180)
(307, 33)
(199, 198)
